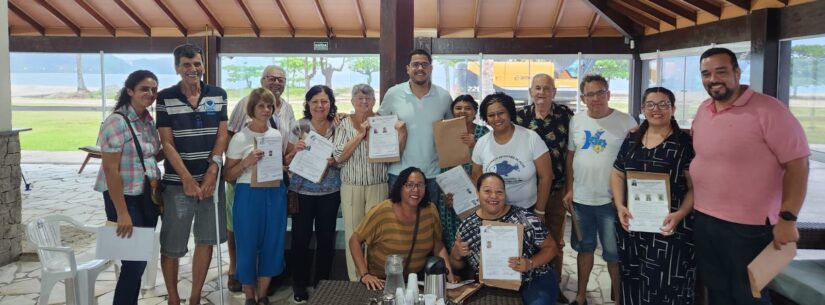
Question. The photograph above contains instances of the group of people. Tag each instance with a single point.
(737, 181)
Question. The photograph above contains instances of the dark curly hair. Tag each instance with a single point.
(499, 97)
(403, 177)
(314, 91)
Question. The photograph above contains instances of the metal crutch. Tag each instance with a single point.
(219, 161)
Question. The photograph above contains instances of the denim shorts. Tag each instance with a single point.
(598, 220)
(180, 211)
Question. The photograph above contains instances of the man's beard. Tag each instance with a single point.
(721, 96)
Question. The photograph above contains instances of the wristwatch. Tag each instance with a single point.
(787, 216)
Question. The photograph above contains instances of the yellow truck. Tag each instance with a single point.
(513, 78)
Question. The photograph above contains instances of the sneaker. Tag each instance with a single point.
(263, 301)
(250, 302)
(300, 298)
(233, 284)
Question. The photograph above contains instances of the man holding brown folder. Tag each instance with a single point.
(749, 178)
(418, 103)
(551, 122)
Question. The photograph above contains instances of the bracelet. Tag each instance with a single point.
(538, 212)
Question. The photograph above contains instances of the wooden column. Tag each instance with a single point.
(784, 91)
(396, 42)
(764, 27)
(211, 48)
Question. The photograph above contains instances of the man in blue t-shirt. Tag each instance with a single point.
(191, 120)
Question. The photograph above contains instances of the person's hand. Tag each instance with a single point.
(784, 232)
(372, 282)
(124, 225)
(448, 200)
(468, 139)
(253, 158)
(461, 248)
(567, 200)
(671, 221)
(301, 145)
(191, 187)
(330, 161)
(401, 127)
(363, 129)
(452, 278)
(624, 217)
(209, 181)
(519, 264)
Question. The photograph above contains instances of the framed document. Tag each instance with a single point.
(648, 200)
(499, 242)
(382, 145)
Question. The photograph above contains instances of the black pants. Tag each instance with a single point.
(723, 252)
(320, 211)
(128, 284)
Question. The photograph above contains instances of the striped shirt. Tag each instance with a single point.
(194, 129)
(115, 137)
(384, 234)
(534, 235)
(357, 170)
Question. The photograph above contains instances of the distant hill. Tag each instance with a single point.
(65, 63)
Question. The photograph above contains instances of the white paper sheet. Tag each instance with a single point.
(136, 248)
(457, 182)
(311, 162)
(648, 203)
(271, 166)
(383, 138)
(498, 245)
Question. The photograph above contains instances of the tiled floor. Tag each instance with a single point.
(58, 189)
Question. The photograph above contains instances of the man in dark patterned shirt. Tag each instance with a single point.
(551, 122)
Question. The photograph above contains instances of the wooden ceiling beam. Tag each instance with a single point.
(634, 16)
(743, 4)
(286, 17)
(593, 23)
(37, 27)
(477, 19)
(785, 2)
(643, 7)
(211, 17)
(88, 8)
(363, 23)
(171, 16)
(620, 22)
(517, 19)
(134, 17)
(676, 9)
(559, 14)
(75, 29)
(249, 17)
(707, 6)
(324, 22)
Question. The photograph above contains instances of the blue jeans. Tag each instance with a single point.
(596, 221)
(432, 187)
(128, 284)
(542, 290)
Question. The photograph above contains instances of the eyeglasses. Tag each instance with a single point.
(422, 65)
(595, 94)
(274, 78)
(664, 105)
(412, 185)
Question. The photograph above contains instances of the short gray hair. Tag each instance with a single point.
(363, 89)
(272, 67)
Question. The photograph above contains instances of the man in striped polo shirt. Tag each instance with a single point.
(191, 119)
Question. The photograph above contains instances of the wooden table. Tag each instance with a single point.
(345, 292)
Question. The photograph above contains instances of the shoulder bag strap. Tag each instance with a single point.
(414, 238)
(134, 140)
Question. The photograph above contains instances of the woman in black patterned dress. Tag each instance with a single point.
(657, 268)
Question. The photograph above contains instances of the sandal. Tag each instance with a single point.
(233, 284)
(263, 301)
(250, 302)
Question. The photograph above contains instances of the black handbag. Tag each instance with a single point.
(152, 189)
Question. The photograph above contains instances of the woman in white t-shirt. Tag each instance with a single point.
(516, 153)
(258, 213)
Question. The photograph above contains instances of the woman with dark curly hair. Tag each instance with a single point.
(405, 224)
(318, 202)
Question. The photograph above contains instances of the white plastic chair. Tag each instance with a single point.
(58, 261)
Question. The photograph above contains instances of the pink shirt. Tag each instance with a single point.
(737, 173)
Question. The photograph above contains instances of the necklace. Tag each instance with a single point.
(645, 144)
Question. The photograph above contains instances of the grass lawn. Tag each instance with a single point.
(57, 130)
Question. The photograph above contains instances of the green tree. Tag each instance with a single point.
(612, 68)
(327, 69)
(365, 66)
(806, 70)
(244, 73)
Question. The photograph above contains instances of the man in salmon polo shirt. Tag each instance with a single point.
(749, 177)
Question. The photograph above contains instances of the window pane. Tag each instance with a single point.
(807, 88)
